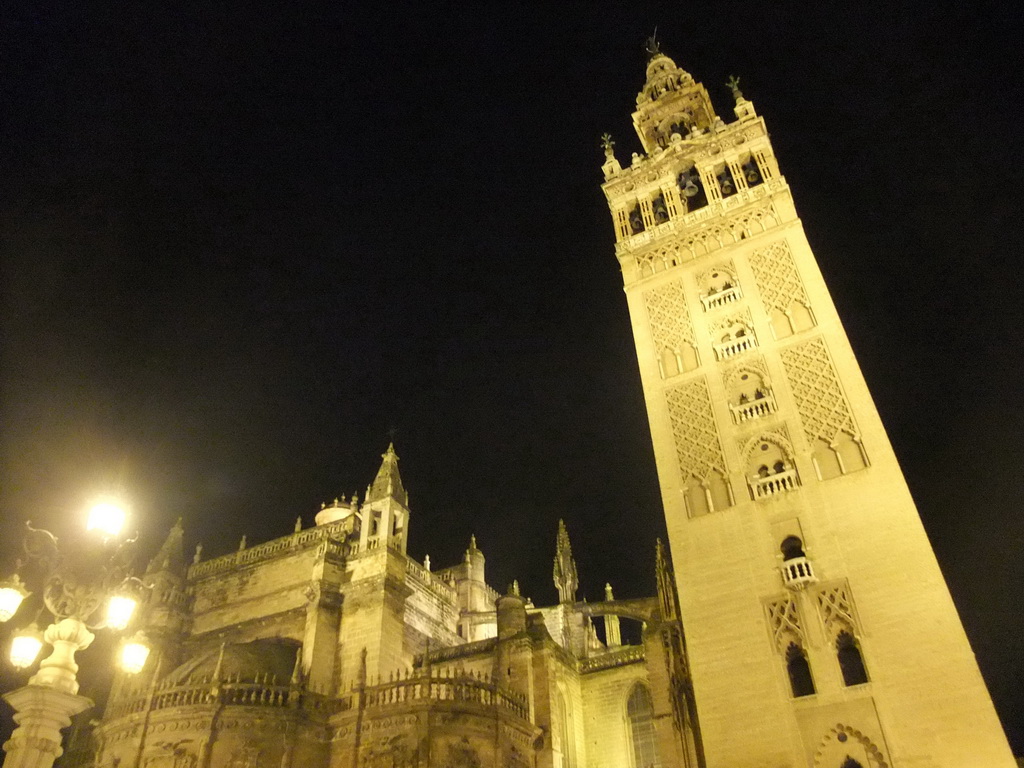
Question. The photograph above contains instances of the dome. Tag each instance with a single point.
(339, 510)
(271, 658)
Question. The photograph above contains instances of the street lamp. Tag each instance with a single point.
(134, 653)
(86, 584)
(26, 645)
(12, 592)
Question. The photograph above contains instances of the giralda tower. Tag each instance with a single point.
(819, 629)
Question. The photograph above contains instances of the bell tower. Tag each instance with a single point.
(818, 626)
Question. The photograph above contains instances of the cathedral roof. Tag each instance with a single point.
(388, 482)
(244, 662)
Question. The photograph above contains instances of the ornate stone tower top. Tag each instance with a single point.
(388, 482)
(565, 567)
(670, 103)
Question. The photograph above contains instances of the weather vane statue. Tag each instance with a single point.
(607, 143)
(652, 45)
(734, 85)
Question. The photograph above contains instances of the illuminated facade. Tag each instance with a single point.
(331, 648)
(820, 631)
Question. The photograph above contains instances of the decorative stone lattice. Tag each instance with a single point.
(820, 401)
(784, 621)
(670, 320)
(836, 608)
(777, 278)
(694, 430)
(659, 259)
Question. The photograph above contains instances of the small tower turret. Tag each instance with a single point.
(385, 512)
(165, 577)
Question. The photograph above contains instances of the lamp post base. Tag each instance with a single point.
(40, 712)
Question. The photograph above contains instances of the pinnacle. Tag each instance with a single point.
(388, 482)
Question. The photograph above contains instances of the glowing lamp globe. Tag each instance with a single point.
(12, 592)
(106, 516)
(120, 610)
(134, 654)
(25, 646)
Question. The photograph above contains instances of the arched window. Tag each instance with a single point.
(640, 711)
(850, 660)
(799, 671)
(792, 548)
(849, 762)
(636, 220)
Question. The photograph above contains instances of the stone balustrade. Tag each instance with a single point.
(773, 485)
(753, 409)
(296, 541)
(626, 654)
(431, 581)
(735, 346)
(444, 686)
(233, 694)
(721, 298)
(797, 573)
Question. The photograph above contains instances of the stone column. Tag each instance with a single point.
(46, 705)
(40, 713)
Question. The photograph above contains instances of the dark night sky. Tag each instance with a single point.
(239, 247)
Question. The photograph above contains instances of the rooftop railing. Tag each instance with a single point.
(445, 686)
(295, 541)
(626, 654)
(265, 693)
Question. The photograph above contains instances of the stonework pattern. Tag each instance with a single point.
(693, 427)
(835, 607)
(670, 320)
(784, 621)
(777, 278)
(823, 408)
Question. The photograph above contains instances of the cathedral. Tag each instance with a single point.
(805, 622)
(332, 647)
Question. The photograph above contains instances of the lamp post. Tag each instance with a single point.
(86, 585)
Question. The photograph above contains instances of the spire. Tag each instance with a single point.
(565, 567)
(171, 556)
(388, 482)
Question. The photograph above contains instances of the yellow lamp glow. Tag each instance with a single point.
(120, 610)
(134, 654)
(12, 592)
(25, 646)
(107, 516)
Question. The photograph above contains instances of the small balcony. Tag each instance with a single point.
(773, 485)
(735, 346)
(754, 408)
(797, 573)
(715, 299)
